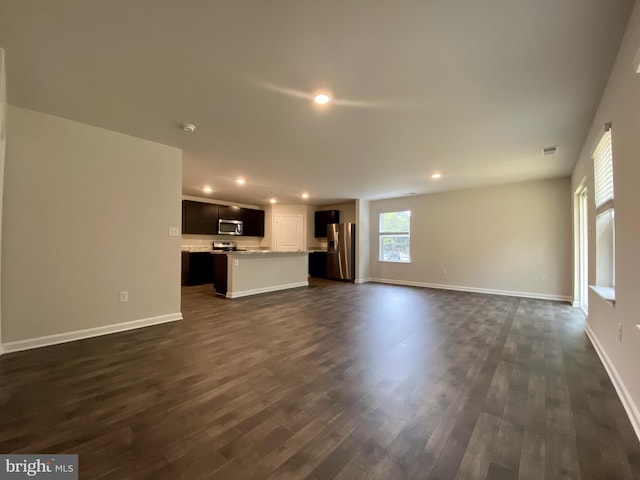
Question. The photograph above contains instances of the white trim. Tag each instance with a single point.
(38, 342)
(489, 291)
(273, 288)
(575, 304)
(621, 390)
(363, 280)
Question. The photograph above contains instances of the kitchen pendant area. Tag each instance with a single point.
(242, 249)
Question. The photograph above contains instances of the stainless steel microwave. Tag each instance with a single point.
(229, 227)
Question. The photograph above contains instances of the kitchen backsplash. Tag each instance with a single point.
(207, 241)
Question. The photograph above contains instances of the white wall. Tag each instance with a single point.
(513, 239)
(86, 215)
(620, 105)
(363, 241)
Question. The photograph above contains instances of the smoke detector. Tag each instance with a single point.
(547, 151)
(188, 127)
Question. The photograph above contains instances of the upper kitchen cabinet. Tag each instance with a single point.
(324, 218)
(226, 212)
(253, 222)
(199, 218)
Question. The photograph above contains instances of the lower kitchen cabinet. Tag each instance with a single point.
(318, 264)
(197, 268)
(220, 273)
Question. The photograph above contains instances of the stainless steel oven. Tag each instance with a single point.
(229, 227)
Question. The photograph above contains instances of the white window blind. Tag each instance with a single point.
(603, 172)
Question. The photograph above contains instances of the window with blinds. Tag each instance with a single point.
(605, 218)
(603, 173)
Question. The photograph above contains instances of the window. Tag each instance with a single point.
(605, 216)
(394, 233)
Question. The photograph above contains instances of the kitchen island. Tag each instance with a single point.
(242, 273)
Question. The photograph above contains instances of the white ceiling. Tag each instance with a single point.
(474, 89)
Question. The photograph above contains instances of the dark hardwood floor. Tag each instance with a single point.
(334, 381)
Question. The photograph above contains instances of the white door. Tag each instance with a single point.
(288, 232)
(3, 141)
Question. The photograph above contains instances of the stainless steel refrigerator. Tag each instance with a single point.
(341, 251)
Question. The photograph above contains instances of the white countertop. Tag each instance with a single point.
(196, 249)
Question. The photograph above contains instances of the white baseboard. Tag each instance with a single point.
(363, 280)
(274, 288)
(627, 402)
(575, 304)
(38, 342)
(489, 291)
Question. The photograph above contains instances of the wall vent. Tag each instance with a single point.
(549, 151)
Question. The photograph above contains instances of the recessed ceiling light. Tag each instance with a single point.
(322, 98)
(240, 181)
(436, 176)
(273, 200)
(188, 127)
(207, 189)
(305, 195)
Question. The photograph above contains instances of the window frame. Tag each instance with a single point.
(604, 204)
(390, 234)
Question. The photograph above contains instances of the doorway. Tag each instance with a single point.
(581, 287)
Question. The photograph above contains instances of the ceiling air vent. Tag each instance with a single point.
(549, 151)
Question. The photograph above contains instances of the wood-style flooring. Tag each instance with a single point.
(334, 381)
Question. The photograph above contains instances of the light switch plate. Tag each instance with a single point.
(174, 232)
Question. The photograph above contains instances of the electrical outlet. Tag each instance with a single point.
(174, 232)
(124, 296)
(545, 277)
(444, 271)
(236, 262)
(620, 332)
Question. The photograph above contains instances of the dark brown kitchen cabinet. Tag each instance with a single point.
(318, 264)
(199, 218)
(227, 212)
(202, 218)
(253, 222)
(324, 218)
(220, 273)
(197, 268)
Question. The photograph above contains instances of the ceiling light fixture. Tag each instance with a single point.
(322, 98)
(207, 189)
(305, 195)
(240, 181)
(188, 127)
(436, 176)
(272, 200)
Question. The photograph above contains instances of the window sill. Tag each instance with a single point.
(394, 261)
(606, 293)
